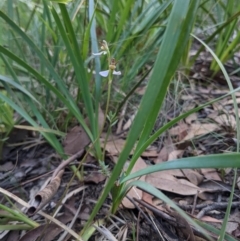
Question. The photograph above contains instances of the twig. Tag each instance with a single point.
(66, 162)
(156, 211)
(194, 203)
(216, 206)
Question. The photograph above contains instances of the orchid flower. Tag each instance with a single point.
(112, 62)
(106, 72)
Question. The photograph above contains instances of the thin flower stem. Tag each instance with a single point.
(107, 73)
(107, 107)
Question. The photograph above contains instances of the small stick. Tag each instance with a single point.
(214, 206)
(194, 203)
(66, 162)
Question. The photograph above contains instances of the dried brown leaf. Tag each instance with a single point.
(236, 233)
(210, 219)
(129, 122)
(94, 177)
(187, 97)
(230, 102)
(177, 130)
(173, 155)
(135, 192)
(121, 118)
(210, 174)
(200, 129)
(184, 226)
(182, 187)
(150, 153)
(175, 173)
(47, 231)
(141, 90)
(85, 213)
(132, 193)
(226, 120)
(180, 131)
(164, 153)
(39, 231)
(215, 186)
(213, 115)
(231, 227)
(191, 118)
(146, 197)
(76, 140)
(200, 239)
(101, 118)
(193, 176)
(113, 146)
(163, 174)
(7, 166)
(206, 196)
(162, 156)
(12, 236)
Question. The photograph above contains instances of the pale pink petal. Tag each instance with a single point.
(104, 73)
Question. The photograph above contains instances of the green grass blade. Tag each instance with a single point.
(125, 12)
(76, 57)
(76, 60)
(230, 87)
(69, 104)
(39, 53)
(218, 30)
(157, 133)
(209, 161)
(28, 98)
(139, 150)
(49, 136)
(78, 64)
(94, 45)
(229, 207)
(172, 48)
(112, 18)
(18, 87)
(214, 230)
(224, 225)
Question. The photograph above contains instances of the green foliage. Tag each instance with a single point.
(11, 214)
(6, 119)
(218, 24)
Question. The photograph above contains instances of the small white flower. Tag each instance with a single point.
(106, 72)
(100, 53)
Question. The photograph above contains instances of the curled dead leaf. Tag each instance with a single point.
(45, 195)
